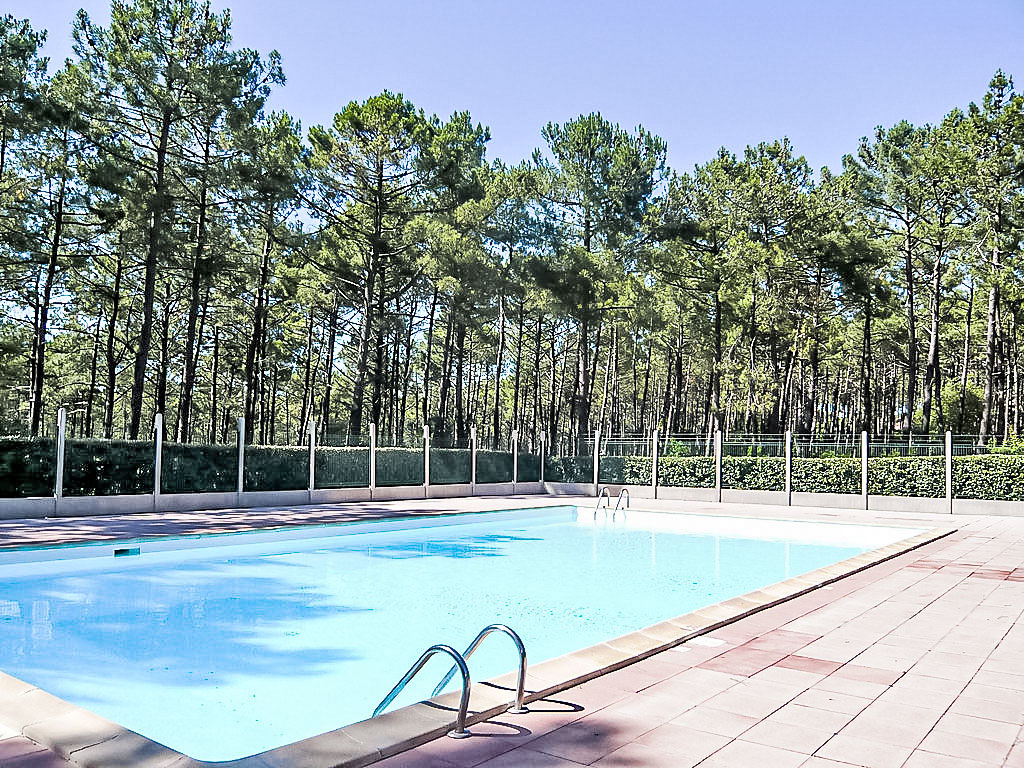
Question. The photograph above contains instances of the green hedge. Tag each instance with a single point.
(450, 465)
(826, 475)
(104, 467)
(276, 468)
(754, 474)
(989, 477)
(529, 468)
(569, 469)
(108, 467)
(27, 466)
(399, 466)
(921, 476)
(493, 467)
(199, 468)
(342, 467)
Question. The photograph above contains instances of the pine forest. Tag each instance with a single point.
(168, 244)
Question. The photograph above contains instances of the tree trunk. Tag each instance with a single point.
(44, 301)
(158, 209)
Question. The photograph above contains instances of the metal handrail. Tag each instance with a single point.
(603, 495)
(518, 708)
(623, 492)
(460, 731)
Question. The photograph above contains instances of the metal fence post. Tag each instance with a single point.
(158, 457)
(312, 457)
(949, 471)
(597, 458)
(426, 460)
(654, 463)
(541, 446)
(241, 456)
(789, 467)
(515, 459)
(864, 467)
(58, 480)
(373, 459)
(472, 461)
(718, 463)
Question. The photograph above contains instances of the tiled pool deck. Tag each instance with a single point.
(916, 662)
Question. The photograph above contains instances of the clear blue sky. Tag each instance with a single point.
(700, 74)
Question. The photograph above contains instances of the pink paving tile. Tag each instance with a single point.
(782, 640)
(715, 721)
(867, 674)
(797, 738)
(808, 664)
(746, 753)
(864, 752)
(489, 739)
(792, 680)
(591, 738)
(17, 746)
(821, 762)
(742, 702)
(742, 661)
(966, 725)
(896, 724)
(664, 744)
(968, 747)
(833, 701)
(811, 717)
(923, 759)
(634, 754)
(524, 757)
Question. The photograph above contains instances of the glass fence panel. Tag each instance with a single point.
(827, 475)
(685, 472)
(921, 476)
(27, 466)
(493, 466)
(569, 469)
(343, 461)
(202, 468)
(529, 468)
(449, 466)
(399, 461)
(276, 467)
(108, 467)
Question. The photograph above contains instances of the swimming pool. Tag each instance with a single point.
(223, 646)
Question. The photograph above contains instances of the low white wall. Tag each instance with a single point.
(33, 508)
(449, 490)
(839, 500)
(83, 506)
(399, 492)
(493, 489)
(333, 495)
(907, 504)
(188, 502)
(741, 496)
(981, 507)
(569, 489)
(687, 494)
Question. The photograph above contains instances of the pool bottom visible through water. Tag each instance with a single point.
(223, 652)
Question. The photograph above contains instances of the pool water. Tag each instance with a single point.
(227, 650)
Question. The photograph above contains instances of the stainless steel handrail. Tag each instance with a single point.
(460, 731)
(518, 708)
(623, 492)
(603, 495)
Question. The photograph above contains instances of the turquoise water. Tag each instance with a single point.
(222, 652)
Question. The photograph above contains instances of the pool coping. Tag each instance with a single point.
(89, 740)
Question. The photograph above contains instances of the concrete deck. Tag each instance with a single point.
(916, 662)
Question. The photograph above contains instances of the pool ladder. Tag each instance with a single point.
(461, 666)
(604, 495)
